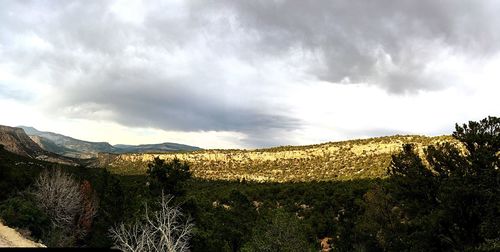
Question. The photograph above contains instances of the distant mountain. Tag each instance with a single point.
(71, 147)
(48, 145)
(68, 146)
(152, 148)
(17, 141)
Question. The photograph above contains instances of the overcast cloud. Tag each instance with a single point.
(248, 73)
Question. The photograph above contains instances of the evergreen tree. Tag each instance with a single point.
(168, 177)
(455, 198)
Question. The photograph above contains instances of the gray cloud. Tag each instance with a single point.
(208, 65)
(386, 43)
(174, 104)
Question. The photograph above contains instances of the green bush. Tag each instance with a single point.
(22, 212)
(282, 231)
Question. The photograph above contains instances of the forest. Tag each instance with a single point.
(445, 199)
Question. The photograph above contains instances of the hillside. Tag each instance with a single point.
(48, 145)
(17, 141)
(366, 158)
(68, 146)
(71, 147)
(154, 148)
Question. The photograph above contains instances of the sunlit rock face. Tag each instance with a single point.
(367, 158)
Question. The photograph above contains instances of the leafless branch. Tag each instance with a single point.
(70, 206)
(59, 196)
(162, 230)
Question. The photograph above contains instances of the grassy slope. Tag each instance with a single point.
(355, 159)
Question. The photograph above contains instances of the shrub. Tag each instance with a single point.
(22, 212)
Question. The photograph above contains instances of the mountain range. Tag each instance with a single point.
(31, 142)
(16, 141)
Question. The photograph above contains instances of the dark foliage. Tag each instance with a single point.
(21, 211)
(111, 209)
(167, 177)
(450, 203)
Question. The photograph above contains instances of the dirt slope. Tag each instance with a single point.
(11, 238)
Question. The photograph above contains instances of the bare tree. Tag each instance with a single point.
(58, 194)
(133, 237)
(162, 230)
(70, 206)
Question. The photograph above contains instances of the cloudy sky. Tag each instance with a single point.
(247, 74)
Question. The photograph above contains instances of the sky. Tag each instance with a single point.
(247, 74)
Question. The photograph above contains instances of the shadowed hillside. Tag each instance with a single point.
(16, 141)
(67, 146)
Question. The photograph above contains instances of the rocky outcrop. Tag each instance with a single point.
(15, 140)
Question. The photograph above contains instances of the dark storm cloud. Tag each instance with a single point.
(105, 68)
(208, 65)
(173, 104)
(386, 43)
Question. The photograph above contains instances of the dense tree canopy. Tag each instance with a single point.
(450, 200)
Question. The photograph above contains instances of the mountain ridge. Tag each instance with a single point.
(15, 140)
(344, 160)
(76, 148)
